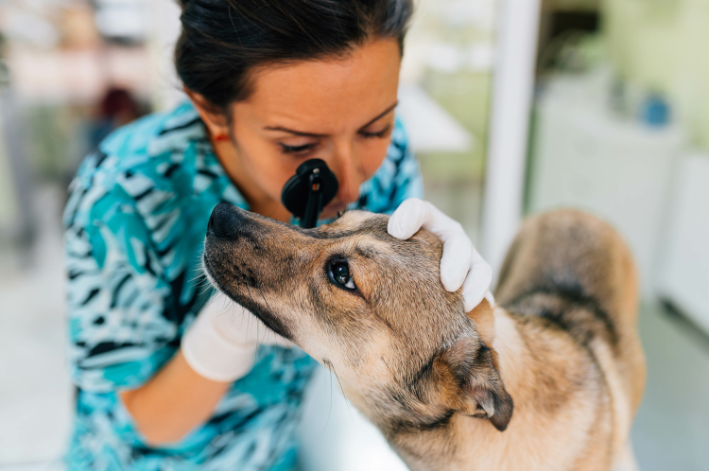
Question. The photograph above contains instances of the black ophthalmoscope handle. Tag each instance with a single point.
(307, 192)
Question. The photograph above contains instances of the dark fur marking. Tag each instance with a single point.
(410, 397)
(563, 317)
(422, 424)
(365, 252)
(315, 297)
(385, 321)
(414, 383)
(374, 228)
(272, 322)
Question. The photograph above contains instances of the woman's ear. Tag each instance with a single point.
(215, 120)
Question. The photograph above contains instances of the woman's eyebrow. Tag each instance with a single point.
(310, 134)
(383, 113)
(291, 131)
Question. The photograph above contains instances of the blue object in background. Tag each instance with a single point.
(655, 111)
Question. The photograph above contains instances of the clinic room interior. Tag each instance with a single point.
(511, 109)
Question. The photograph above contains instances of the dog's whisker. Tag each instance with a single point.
(203, 289)
(259, 341)
(204, 286)
(198, 281)
(268, 306)
(248, 288)
(199, 271)
(264, 299)
(331, 367)
(329, 410)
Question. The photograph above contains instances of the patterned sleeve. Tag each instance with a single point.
(120, 331)
(398, 178)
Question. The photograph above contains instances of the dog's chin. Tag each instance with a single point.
(264, 315)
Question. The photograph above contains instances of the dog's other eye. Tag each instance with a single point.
(340, 274)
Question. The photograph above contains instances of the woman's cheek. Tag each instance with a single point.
(272, 169)
(373, 156)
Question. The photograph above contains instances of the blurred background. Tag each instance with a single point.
(512, 107)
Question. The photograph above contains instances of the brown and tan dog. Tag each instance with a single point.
(550, 379)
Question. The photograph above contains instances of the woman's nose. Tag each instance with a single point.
(347, 168)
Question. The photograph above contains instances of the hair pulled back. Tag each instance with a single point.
(223, 40)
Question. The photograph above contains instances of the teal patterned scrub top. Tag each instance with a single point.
(134, 229)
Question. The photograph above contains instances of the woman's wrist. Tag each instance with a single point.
(173, 402)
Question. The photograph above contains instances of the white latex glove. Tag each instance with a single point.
(222, 341)
(461, 264)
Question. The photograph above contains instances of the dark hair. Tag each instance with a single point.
(223, 40)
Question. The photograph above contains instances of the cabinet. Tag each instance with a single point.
(585, 157)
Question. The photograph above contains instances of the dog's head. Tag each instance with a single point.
(369, 307)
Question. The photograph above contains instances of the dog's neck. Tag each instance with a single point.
(466, 441)
(471, 444)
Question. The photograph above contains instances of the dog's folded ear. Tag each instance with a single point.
(481, 393)
(487, 396)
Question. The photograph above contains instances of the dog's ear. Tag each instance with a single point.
(481, 393)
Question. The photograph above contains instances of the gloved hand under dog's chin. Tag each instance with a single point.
(461, 264)
(222, 341)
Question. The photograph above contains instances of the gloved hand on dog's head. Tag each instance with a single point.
(461, 264)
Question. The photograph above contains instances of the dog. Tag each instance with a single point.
(548, 379)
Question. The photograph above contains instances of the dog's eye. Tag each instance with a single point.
(340, 274)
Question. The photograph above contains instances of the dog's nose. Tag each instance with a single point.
(225, 221)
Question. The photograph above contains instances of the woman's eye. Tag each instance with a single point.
(370, 135)
(340, 273)
(296, 149)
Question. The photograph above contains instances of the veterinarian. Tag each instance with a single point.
(162, 381)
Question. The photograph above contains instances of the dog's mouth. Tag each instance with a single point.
(261, 311)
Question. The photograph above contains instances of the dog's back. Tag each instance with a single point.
(571, 272)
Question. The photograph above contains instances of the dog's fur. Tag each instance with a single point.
(550, 379)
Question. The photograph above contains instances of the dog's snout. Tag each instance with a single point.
(225, 221)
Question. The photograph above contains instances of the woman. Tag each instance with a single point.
(162, 382)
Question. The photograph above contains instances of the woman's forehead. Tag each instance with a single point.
(321, 95)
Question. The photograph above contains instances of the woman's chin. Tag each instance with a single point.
(330, 212)
(325, 215)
